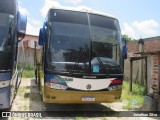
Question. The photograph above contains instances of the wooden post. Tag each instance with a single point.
(131, 66)
(35, 60)
(35, 53)
(146, 84)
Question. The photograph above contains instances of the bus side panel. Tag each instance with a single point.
(5, 92)
(5, 97)
(20, 63)
(13, 85)
(41, 79)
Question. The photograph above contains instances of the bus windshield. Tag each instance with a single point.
(6, 23)
(70, 41)
(105, 36)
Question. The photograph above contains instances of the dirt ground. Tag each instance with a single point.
(28, 99)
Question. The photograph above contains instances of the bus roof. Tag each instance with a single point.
(83, 9)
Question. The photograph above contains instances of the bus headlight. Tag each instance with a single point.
(114, 87)
(56, 86)
(4, 83)
(115, 84)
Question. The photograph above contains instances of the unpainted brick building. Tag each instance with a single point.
(29, 48)
(149, 47)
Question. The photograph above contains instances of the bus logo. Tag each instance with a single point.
(88, 87)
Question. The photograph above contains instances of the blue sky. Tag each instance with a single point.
(137, 18)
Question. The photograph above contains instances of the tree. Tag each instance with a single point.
(127, 37)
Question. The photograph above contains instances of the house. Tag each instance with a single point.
(29, 48)
(150, 48)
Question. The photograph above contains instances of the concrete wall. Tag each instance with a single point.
(127, 70)
(149, 73)
(138, 74)
(29, 55)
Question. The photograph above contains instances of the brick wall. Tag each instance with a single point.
(155, 77)
(152, 50)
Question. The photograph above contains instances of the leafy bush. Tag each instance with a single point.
(138, 93)
(28, 74)
(19, 66)
(29, 67)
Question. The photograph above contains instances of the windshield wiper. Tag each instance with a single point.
(101, 63)
(98, 58)
(77, 62)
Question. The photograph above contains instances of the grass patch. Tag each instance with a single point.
(21, 91)
(28, 74)
(32, 96)
(138, 93)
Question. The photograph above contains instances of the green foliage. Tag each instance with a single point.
(138, 93)
(32, 96)
(21, 91)
(127, 37)
(29, 67)
(28, 74)
(19, 66)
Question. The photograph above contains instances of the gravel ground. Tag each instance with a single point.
(28, 99)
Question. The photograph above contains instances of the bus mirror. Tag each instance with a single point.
(42, 35)
(44, 24)
(124, 40)
(21, 25)
(125, 48)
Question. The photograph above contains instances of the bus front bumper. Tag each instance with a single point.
(5, 97)
(64, 97)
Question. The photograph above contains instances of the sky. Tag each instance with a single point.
(137, 18)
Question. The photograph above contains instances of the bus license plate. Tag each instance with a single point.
(88, 98)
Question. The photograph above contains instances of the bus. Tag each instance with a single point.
(12, 31)
(81, 59)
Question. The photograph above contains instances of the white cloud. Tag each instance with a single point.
(128, 30)
(33, 26)
(47, 5)
(84, 8)
(35, 22)
(74, 1)
(141, 29)
(23, 10)
(55, 4)
(146, 27)
(32, 30)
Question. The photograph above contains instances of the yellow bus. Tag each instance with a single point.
(81, 59)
